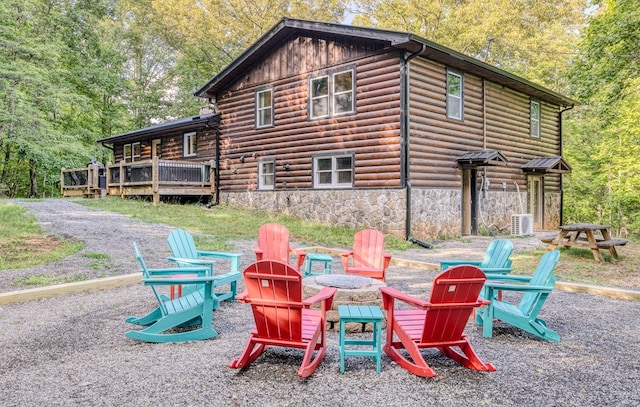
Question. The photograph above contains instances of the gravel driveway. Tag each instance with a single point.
(71, 350)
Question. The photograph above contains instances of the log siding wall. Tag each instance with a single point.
(495, 118)
(372, 134)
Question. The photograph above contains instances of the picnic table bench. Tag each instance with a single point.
(585, 235)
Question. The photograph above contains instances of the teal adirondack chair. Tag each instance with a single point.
(535, 291)
(191, 310)
(185, 254)
(496, 259)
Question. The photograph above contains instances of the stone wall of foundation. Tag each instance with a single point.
(383, 210)
(435, 213)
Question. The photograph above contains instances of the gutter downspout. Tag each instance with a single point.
(404, 137)
(561, 186)
(217, 172)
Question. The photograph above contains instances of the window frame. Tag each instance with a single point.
(534, 123)
(261, 174)
(336, 93)
(259, 109)
(332, 94)
(450, 97)
(135, 152)
(189, 144)
(334, 171)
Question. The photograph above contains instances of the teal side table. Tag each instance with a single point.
(318, 258)
(363, 314)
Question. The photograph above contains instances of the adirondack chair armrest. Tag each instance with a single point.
(179, 280)
(300, 255)
(177, 271)
(219, 255)
(243, 297)
(198, 262)
(234, 258)
(389, 294)
(496, 270)
(516, 287)
(508, 278)
(259, 252)
(345, 258)
(387, 259)
(445, 264)
(325, 296)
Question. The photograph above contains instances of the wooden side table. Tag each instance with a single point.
(363, 314)
(310, 258)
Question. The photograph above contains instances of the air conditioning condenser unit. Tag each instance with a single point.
(522, 224)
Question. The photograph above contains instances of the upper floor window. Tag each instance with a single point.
(335, 171)
(189, 149)
(534, 122)
(266, 174)
(332, 95)
(454, 96)
(131, 152)
(264, 108)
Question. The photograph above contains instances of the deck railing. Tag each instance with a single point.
(146, 178)
(82, 181)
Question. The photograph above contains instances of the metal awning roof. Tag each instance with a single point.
(185, 123)
(555, 164)
(482, 158)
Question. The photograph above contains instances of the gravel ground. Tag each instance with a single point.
(71, 350)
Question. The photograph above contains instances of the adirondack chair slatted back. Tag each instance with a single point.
(275, 292)
(454, 296)
(368, 249)
(530, 303)
(497, 254)
(182, 244)
(273, 239)
(146, 274)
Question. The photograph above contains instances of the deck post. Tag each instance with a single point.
(62, 181)
(155, 175)
(122, 179)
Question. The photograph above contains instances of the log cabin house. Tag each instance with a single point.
(366, 128)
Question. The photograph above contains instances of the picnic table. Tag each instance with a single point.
(587, 235)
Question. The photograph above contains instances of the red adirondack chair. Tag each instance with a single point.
(437, 323)
(282, 317)
(368, 257)
(273, 244)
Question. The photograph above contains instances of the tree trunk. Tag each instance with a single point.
(33, 192)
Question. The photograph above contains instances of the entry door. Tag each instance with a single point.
(536, 200)
(469, 201)
(156, 150)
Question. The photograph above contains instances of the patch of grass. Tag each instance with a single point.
(578, 265)
(24, 244)
(227, 224)
(102, 260)
(44, 280)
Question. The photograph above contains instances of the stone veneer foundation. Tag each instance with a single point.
(435, 213)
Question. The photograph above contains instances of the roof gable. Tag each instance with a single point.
(408, 42)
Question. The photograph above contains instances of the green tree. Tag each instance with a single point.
(605, 77)
(532, 39)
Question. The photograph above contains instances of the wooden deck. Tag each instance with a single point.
(151, 178)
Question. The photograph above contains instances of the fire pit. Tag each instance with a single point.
(354, 290)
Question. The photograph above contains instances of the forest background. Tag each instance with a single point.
(75, 71)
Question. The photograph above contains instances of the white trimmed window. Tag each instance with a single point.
(189, 148)
(332, 95)
(454, 96)
(319, 97)
(534, 122)
(266, 174)
(333, 171)
(264, 108)
(131, 152)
